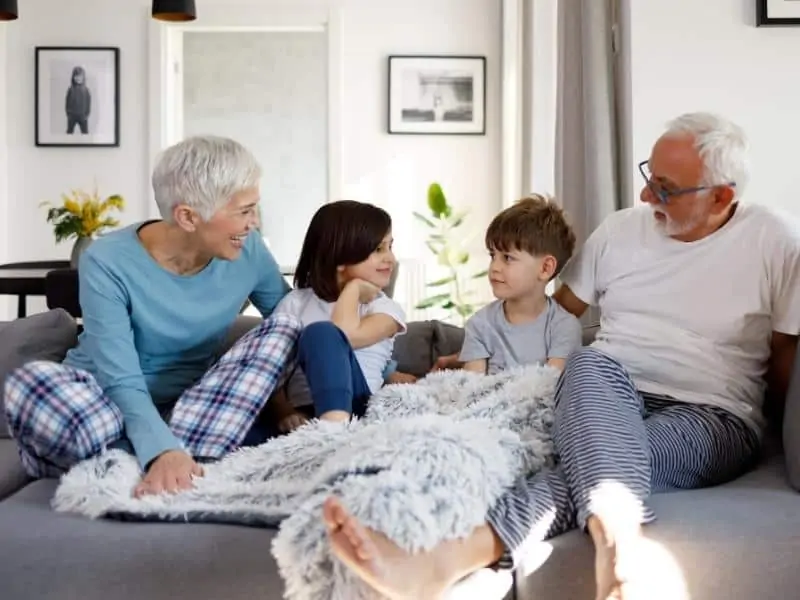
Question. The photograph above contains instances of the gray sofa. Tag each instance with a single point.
(737, 541)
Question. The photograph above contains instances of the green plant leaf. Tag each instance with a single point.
(432, 247)
(437, 202)
(480, 274)
(432, 301)
(441, 282)
(425, 220)
(463, 258)
(465, 310)
(449, 305)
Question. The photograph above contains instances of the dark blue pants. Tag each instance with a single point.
(334, 376)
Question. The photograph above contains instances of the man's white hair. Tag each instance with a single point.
(203, 172)
(721, 144)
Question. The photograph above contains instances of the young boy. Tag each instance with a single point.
(528, 243)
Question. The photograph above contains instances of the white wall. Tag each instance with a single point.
(269, 91)
(391, 170)
(5, 302)
(689, 55)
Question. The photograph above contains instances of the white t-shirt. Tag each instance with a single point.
(310, 308)
(693, 320)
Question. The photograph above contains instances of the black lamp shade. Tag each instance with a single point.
(8, 10)
(172, 10)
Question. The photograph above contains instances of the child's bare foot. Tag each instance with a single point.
(336, 416)
(615, 551)
(379, 562)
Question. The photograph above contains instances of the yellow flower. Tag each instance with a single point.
(72, 206)
(82, 214)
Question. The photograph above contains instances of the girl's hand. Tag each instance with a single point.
(171, 472)
(367, 291)
(291, 422)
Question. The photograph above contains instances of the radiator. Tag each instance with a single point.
(411, 288)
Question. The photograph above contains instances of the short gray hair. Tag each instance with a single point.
(721, 144)
(203, 172)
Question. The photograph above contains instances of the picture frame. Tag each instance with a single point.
(777, 12)
(76, 96)
(437, 95)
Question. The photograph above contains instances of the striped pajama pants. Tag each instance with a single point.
(616, 446)
(58, 414)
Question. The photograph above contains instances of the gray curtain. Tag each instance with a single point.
(588, 171)
(574, 110)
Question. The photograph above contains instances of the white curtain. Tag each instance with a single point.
(565, 108)
(571, 113)
(588, 172)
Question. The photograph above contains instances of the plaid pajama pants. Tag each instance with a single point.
(58, 414)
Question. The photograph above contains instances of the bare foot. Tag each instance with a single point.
(337, 416)
(379, 562)
(615, 551)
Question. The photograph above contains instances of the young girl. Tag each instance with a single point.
(349, 323)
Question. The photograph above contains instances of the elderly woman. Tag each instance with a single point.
(158, 298)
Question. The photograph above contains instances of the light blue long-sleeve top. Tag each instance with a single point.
(149, 334)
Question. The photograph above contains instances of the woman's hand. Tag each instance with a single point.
(291, 422)
(171, 472)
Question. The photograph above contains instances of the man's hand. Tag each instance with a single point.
(447, 362)
(291, 422)
(171, 472)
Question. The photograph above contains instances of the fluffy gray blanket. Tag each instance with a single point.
(422, 466)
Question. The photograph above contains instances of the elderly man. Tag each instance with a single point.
(700, 301)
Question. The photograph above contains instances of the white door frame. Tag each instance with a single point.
(166, 39)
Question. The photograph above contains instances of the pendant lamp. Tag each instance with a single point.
(173, 10)
(8, 10)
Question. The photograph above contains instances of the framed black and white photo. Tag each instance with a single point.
(77, 96)
(437, 95)
(777, 12)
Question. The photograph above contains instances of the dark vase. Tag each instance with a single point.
(81, 244)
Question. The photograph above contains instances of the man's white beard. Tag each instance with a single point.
(670, 227)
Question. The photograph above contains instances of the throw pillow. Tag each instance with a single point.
(413, 350)
(44, 336)
(447, 339)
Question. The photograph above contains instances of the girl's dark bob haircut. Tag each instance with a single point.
(341, 233)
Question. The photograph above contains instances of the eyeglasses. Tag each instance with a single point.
(663, 194)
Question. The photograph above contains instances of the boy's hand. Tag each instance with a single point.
(171, 472)
(398, 377)
(447, 362)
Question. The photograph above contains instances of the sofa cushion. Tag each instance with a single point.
(12, 475)
(43, 336)
(97, 560)
(791, 426)
(736, 541)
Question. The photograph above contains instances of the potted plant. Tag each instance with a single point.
(82, 216)
(445, 241)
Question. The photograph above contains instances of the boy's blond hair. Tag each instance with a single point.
(536, 225)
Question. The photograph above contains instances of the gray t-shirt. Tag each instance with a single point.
(554, 334)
